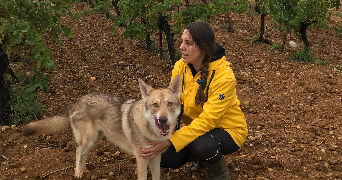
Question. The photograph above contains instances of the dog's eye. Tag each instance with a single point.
(155, 105)
(170, 104)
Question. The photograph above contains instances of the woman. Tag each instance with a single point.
(214, 124)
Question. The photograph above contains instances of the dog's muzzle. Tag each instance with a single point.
(161, 124)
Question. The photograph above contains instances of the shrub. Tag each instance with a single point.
(254, 39)
(25, 107)
(320, 62)
(302, 56)
(306, 56)
(24, 104)
(276, 46)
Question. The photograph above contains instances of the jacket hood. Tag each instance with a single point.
(219, 52)
(219, 60)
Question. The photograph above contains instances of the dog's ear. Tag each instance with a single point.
(175, 85)
(144, 88)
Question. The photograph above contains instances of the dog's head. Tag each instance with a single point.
(162, 105)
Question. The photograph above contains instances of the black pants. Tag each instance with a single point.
(209, 148)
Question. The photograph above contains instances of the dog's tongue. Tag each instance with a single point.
(164, 129)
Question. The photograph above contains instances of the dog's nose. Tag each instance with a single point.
(162, 119)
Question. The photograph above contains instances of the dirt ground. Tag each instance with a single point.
(293, 110)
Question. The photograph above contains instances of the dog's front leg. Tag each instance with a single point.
(142, 167)
(155, 166)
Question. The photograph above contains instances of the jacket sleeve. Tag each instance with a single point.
(212, 112)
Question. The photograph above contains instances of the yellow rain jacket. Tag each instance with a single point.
(220, 111)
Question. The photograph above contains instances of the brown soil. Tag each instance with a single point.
(293, 110)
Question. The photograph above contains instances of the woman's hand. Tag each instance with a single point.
(157, 148)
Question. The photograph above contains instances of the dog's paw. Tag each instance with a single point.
(78, 173)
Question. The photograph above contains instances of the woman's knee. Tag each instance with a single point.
(204, 147)
(173, 160)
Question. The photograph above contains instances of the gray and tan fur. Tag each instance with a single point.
(128, 124)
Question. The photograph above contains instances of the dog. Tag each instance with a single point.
(129, 124)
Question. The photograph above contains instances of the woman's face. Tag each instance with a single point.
(190, 51)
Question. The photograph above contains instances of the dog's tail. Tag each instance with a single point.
(48, 125)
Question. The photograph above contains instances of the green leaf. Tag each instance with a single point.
(39, 47)
(64, 11)
(2, 28)
(12, 41)
(77, 15)
(24, 27)
(10, 28)
(115, 28)
(67, 31)
(31, 41)
(55, 31)
(39, 63)
(51, 65)
(17, 37)
(10, 4)
(36, 56)
(31, 88)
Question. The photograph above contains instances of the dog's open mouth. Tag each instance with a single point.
(161, 124)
